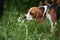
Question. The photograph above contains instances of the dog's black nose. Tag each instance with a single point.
(24, 17)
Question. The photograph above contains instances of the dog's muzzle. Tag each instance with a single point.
(28, 17)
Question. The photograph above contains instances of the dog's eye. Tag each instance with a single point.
(31, 13)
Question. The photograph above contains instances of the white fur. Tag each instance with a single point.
(28, 16)
(45, 9)
(51, 22)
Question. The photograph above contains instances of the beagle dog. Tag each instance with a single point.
(39, 15)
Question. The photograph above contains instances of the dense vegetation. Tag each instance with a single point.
(21, 5)
(11, 29)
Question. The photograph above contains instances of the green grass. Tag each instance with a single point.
(11, 29)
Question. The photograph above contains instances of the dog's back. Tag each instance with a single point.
(57, 9)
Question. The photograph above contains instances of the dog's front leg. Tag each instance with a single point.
(51, 22)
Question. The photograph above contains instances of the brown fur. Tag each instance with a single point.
(52, 12)
(36, 12)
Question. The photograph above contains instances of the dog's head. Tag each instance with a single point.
(34, 12)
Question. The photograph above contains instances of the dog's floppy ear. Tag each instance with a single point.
(39, 17)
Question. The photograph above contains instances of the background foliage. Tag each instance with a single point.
(20, 5)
